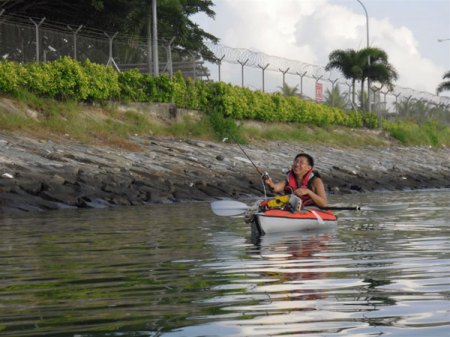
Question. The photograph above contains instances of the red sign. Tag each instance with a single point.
(319, 92)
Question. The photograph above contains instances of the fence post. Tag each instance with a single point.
(219, 64)
(37, 25)
(155, 39)
(349, 97)
(242, 71)
(75, 33)
(1, 21)
(284, 75)
(111, 58)
(169, 57)
(301, 81)
(263, 68)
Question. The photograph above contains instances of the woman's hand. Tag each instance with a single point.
(302, 191)
(269, 183)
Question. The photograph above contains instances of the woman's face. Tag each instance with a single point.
(300, 166)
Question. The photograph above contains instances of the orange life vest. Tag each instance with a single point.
(292, 185)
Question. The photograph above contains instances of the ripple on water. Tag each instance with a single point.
(176, 270)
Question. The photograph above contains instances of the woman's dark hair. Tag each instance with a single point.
(308, 157)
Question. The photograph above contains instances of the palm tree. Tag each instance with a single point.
(349, 63)
(379, 70)
(336, 98)
(286, 90)
(444, 85)
(354, 65)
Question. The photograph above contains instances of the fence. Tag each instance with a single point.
(383, 98)
(25, 39)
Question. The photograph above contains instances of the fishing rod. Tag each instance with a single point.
(264, 175)
(251, 161)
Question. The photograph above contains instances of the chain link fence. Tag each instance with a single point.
(25, 39)
(384, 100)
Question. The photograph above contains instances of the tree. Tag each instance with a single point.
(335, 98)
(130, 17)
(379, 70)
(286, 90)
(349, 63)
(355, 65)
(444, 85)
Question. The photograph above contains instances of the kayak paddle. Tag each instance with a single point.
(233, 207)
(228, 207)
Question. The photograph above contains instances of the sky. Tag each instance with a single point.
(308, 30)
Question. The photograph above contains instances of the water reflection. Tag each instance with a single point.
(179, 271)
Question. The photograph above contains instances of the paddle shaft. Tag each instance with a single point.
(343, 208)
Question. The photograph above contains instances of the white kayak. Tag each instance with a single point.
(277, 220)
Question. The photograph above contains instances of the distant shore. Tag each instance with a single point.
(39, 175)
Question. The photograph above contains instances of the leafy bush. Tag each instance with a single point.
(66, 78)
(410, 133)
(225, 127)
(103, 82)
(370, 120)
(12, 77)
(132, 85)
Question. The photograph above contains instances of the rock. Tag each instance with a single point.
(49, 175)
(57, 180)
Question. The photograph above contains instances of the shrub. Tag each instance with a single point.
(12, 77)
(103, 82)
(132, 85)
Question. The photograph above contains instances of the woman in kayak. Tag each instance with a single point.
(303, 182)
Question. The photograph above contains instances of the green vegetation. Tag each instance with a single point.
(129, 17)
(286, 90)
(78, 100)
(409, 132)
(355, 65)
(444, 85)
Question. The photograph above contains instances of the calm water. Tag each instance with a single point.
(178, 270)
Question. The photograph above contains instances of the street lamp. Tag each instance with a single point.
(368, 58)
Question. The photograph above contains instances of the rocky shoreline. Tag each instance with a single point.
(38, 175)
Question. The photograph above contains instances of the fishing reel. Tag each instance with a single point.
(265, 176)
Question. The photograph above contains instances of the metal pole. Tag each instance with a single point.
(368, 58)
(37, 25)
(301, 81)
(111, 58)
(155, 40)
(149, 40)
(242, 71)
(169, 57)
(284, 75)
(333, 82)
(349, 98)
(219, 63)
(263, 68)
(75, 33)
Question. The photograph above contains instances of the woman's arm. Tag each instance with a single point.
(275, 187)
(318, 194)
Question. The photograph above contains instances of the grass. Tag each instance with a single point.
(307, 134)
(107, 124)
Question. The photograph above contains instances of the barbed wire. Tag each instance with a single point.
(293, 67)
